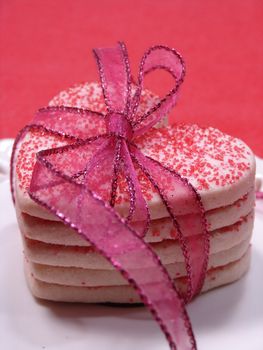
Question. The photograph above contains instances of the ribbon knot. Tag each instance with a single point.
(118, 125)
(78, 183)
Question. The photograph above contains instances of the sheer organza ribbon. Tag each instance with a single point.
(79, 183)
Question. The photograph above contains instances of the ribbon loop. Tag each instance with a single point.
(114, 70)
(157, 57)
(73, 122)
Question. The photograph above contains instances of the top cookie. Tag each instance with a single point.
(220, 167)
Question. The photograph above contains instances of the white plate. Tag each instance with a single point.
(226, 318)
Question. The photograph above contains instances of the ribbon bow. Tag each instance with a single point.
(79, 183)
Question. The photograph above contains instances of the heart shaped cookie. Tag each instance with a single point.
(62, 266)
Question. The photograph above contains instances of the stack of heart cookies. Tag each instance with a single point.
(60, 265)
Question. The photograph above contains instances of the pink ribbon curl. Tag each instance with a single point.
(79, 184)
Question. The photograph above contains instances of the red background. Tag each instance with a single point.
(45, 46)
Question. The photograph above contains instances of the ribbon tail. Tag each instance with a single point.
(98, 157)
(139, 211)
(98, 223)
(191, 227)
(116, 172)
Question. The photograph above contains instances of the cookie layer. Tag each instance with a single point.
(72, 276)
(169, 251)
(126, 294)
(55, 232)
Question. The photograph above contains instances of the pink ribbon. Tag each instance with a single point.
(78, 183)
